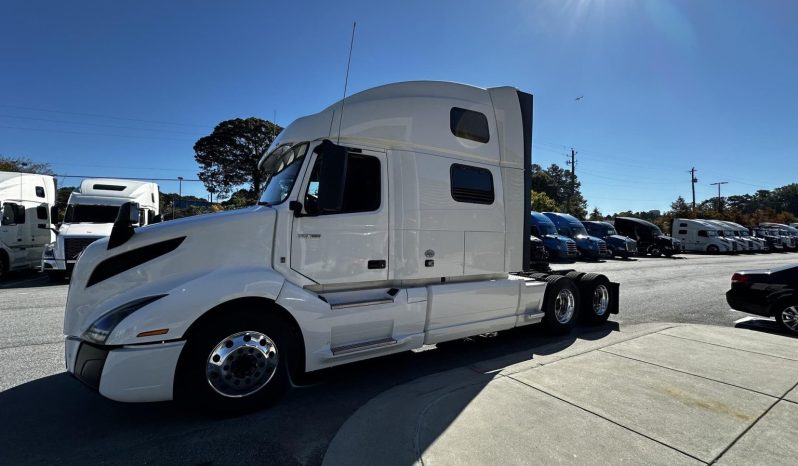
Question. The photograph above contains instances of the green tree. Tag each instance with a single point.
(239, 199)
(556, 183)
(596, 215)
(228, 157)
(23, 165)
(541, 202)
(679, 208)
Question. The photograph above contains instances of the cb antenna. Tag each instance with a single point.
(346, 81)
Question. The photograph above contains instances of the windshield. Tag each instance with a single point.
(744, 233)
(712, 233)
(611, 231)
(77, 213)
(578, 232)
(547, 229)
(282, 166)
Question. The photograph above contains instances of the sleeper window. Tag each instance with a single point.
(468, 124)
(471, 184)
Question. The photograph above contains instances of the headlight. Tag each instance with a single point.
(99, 331)
(49, 251)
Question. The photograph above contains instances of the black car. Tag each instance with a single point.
(769, 293)
(650, 239)
(617, 245)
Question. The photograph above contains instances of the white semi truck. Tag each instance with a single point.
(90, 214)
(26, 212)
(409, 226)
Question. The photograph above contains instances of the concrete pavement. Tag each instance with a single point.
(650, 394)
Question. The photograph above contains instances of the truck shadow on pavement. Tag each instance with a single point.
(20, 280)
(55, 418)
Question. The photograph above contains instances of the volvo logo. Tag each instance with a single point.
(429, 253)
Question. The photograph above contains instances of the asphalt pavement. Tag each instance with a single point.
(57, 419)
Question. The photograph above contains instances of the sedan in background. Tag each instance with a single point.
(768, 293)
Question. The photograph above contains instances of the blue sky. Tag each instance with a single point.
(102, 88)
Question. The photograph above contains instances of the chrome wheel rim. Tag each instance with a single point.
(790, 318)
(564, 306)
(242, 364)
(601, 300)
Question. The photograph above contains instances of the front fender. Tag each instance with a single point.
(185, 303)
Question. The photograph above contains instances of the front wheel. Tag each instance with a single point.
(787, 317)
(712, 249)
(235, 363)
(560, 305)
(654, 251)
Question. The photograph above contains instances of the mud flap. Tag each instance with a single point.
(615, 294)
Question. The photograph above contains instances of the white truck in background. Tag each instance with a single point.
(26, 207)
(699, 235)
(411, 228)
(90, 214)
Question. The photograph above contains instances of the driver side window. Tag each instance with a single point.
(362, 188)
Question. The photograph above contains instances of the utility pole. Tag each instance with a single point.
(572, 163)
(718, 184)
(693, 181)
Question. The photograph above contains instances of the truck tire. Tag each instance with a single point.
(3, 266)
(654, 251)
(595, 293)
(787, 316)
(712, 249)
(560, 304)
(235, 363)
(575, 276)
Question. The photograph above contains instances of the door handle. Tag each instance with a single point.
(376, 264)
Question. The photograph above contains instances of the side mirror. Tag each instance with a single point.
(296, 208)
(332, 176)
(123, 226)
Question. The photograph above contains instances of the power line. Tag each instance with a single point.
(96, 124)
(96, 115)
(84, 133)
(125, 178)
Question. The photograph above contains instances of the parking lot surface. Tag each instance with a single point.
(57, 419)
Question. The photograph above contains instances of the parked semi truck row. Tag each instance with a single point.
(90, 214)
(409, 229)
(617, 245)
(716, 236)
(27, 212)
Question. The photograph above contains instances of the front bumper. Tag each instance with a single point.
(59, 265)
(135, 373)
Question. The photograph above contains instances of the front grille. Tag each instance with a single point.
(571, 248)
(631, 247)
(74, 246)
(734, 246)
(603, 248)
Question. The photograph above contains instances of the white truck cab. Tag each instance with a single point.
(701, 236)
(90, 214)
(26, 211)
(742, 234)
(727, 232)
(410, 227)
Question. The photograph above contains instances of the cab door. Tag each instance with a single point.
(347, 243)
